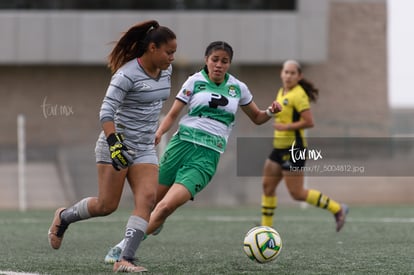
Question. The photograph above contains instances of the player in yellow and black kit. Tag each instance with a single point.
(290, 124)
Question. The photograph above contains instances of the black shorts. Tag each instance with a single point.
(284, 158)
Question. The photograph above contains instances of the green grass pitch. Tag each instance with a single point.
(201, 240)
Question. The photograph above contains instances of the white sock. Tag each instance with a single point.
(121, 244)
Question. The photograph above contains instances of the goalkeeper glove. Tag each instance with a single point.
(121, 159)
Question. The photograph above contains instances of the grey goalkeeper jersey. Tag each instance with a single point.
(134, 101)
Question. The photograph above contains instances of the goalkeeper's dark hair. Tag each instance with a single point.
(134, 43)
(310, 89)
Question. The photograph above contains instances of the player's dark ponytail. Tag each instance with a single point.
(135, 41)
(310, 89)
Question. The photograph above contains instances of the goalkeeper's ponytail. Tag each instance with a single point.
(135, 41)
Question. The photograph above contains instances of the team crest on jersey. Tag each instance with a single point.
(232, 91)
(285, 102)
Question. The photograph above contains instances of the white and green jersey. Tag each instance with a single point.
(211, 109)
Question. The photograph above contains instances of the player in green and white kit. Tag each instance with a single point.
(191, 157)
(193, 153)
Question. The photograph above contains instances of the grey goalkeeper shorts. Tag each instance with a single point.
(103, 155)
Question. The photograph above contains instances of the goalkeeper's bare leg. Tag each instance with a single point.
(110, 183)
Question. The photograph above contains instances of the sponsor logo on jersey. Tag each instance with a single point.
(285, 102)
(186, 92)
(145, 86)
(200, 87)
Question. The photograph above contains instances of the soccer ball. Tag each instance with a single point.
(262, 244)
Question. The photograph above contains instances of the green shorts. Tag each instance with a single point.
(188, 164)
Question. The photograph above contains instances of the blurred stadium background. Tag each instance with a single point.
(53, 71)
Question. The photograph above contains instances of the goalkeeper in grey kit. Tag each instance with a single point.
(141, 63)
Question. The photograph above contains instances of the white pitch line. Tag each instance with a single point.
(2, 272)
